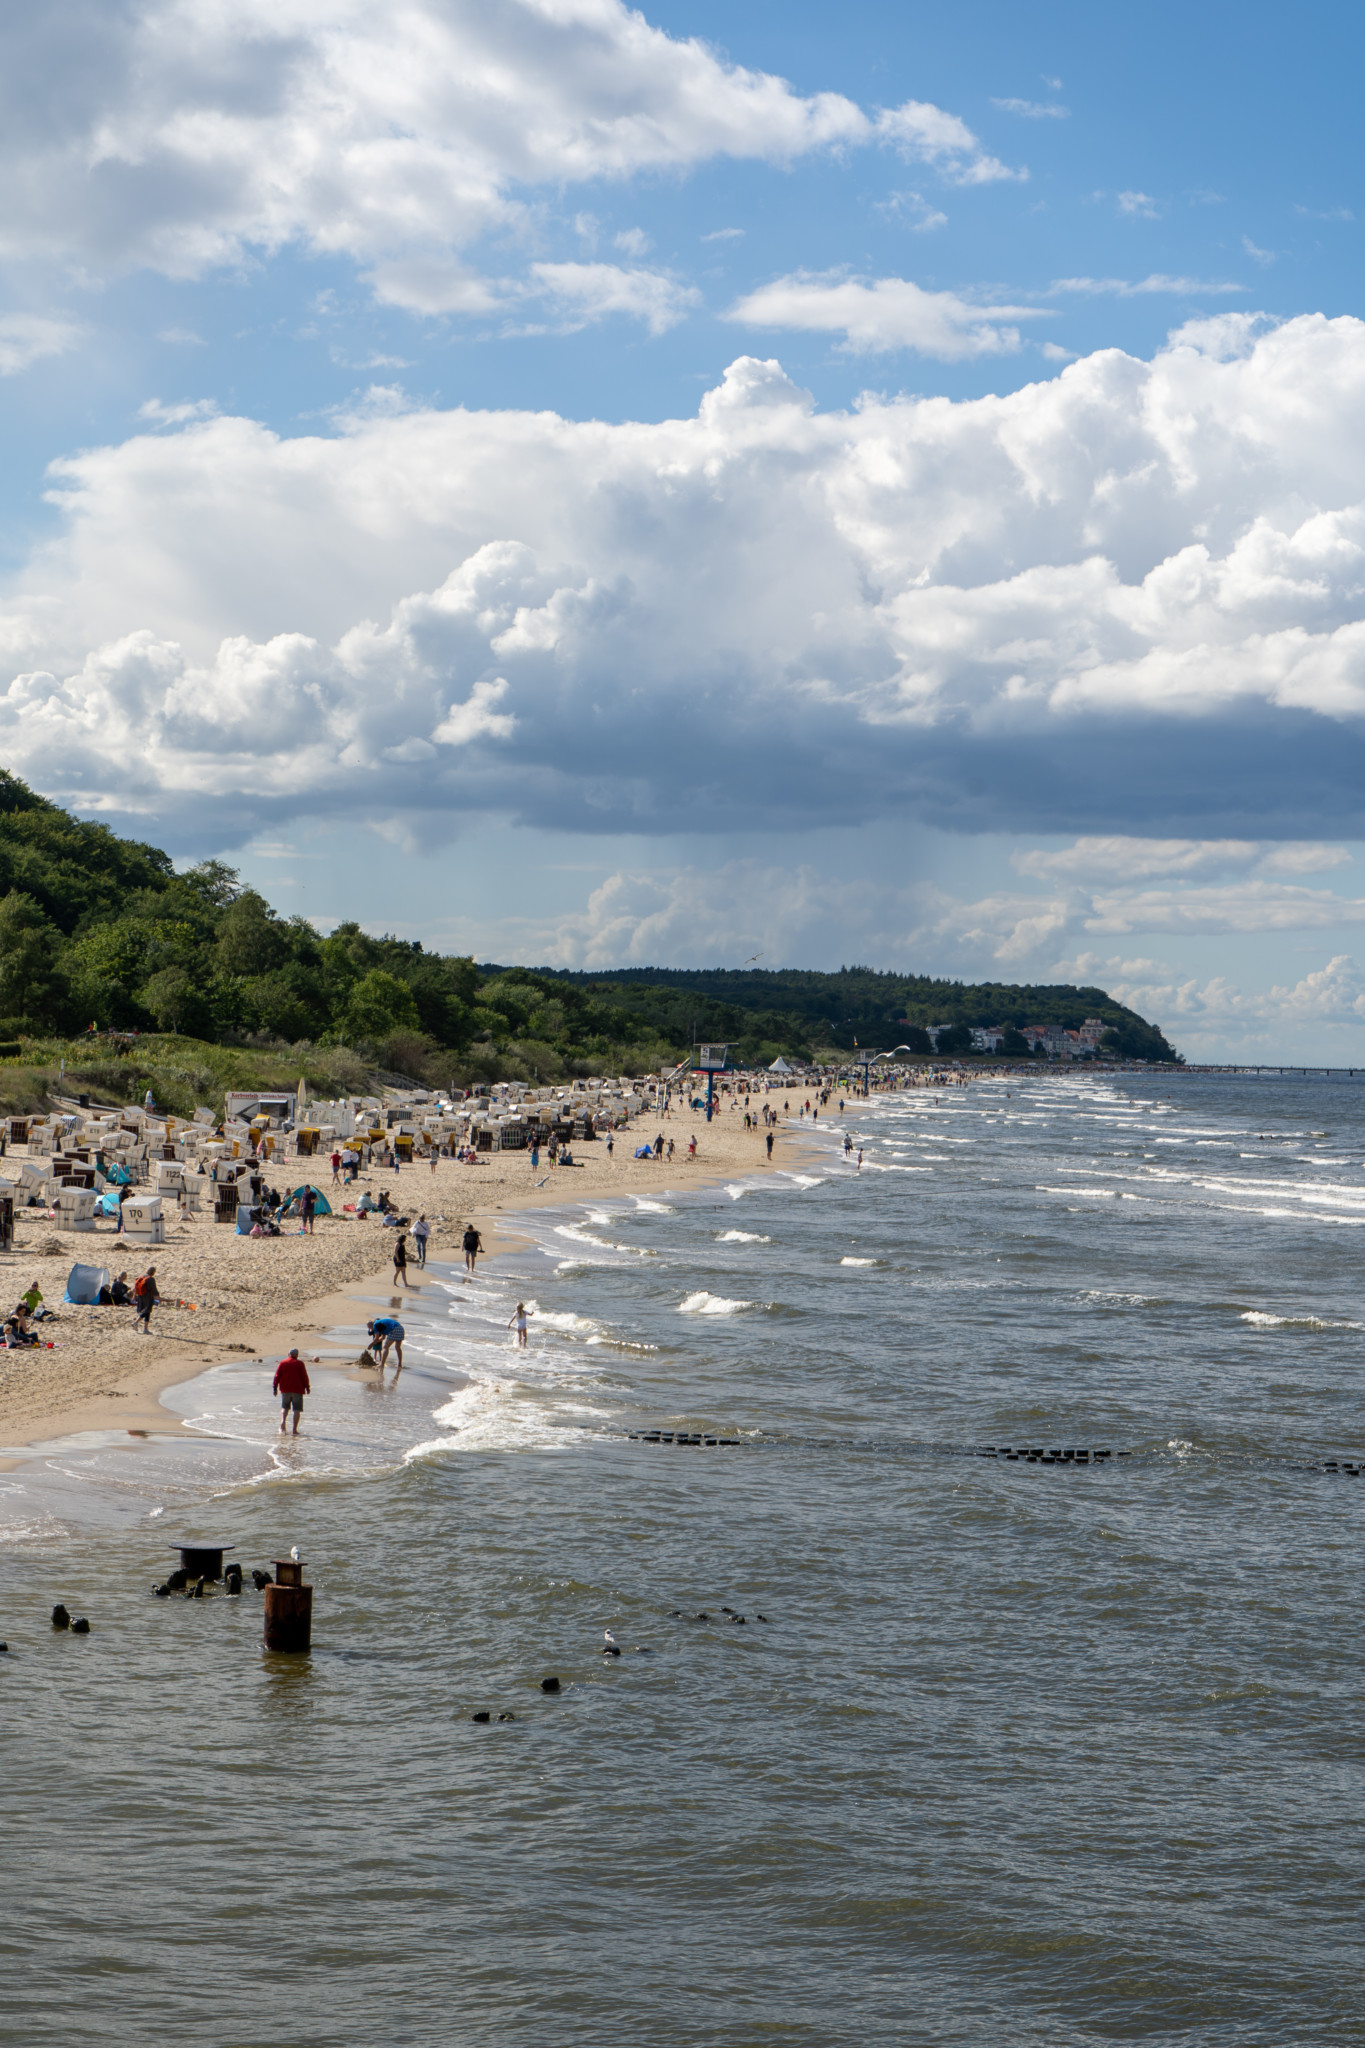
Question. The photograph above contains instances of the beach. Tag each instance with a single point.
(223, 1295)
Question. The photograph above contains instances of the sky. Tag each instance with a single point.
(873, 485)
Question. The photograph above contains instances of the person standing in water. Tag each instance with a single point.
(473, 1245)
(518, 1323)
(388, 1333)
(291, 1384)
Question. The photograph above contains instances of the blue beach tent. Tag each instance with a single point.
(83, 1284)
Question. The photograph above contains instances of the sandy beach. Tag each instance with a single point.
(257, 1295)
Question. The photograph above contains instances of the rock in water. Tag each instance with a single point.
(60, 1617)
(162, 1592)
(260, 1580)
(483, 1715)
(81, 1627)
(549, 1685)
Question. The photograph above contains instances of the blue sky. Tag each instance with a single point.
(615, 488)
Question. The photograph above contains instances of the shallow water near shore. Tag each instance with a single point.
(1018, 1752)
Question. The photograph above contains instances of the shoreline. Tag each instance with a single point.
(125, 1397)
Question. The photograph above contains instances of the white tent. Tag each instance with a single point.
(779, 1066)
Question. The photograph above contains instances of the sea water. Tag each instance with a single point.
(1000, 1752)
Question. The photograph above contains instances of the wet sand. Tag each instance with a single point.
(253, 1296)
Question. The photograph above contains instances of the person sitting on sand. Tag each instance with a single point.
(121, 1294)
(17, 1334)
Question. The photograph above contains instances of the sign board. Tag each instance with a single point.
(711, 1058)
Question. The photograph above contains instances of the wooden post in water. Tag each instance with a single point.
(288, 1608)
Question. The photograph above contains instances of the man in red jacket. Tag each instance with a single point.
(291, 1384)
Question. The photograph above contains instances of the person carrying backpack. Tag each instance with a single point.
(146, 1295)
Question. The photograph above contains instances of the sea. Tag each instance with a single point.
(930, 1725)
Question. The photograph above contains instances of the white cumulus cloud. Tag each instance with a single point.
(884, 313)
(1127, 602)
(184, 134)
(25, 338)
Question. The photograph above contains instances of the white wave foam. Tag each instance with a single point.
(741, 1237)
(581, 1236)
(654, 1208)
(1261, 1320)
(857, 1262)
(704, 1304)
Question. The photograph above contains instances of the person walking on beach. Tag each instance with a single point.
(535, 1156)
(518, 1323)
(692, 1146)
(611, 1144)
(146, 1297)
(336, 1169)
(435, 1155)
(291, 1384)
(123, 1195)
(770, 1144)
(473, 1245)
(400, 1258)
(421, 1231)
(306, 1207)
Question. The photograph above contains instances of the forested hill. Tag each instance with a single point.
(100, 934)
(857, 1003)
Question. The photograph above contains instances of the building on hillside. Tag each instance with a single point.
(1058, 1043)
(987, 1037)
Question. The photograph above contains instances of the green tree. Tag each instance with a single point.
(954, 1038)
(32, 983)
(379, 1005)
(251, 939)
(214, 882)
(175, 1002)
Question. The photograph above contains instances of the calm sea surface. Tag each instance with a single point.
(1022, 1753)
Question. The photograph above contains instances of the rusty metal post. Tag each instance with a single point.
(288, 1608)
